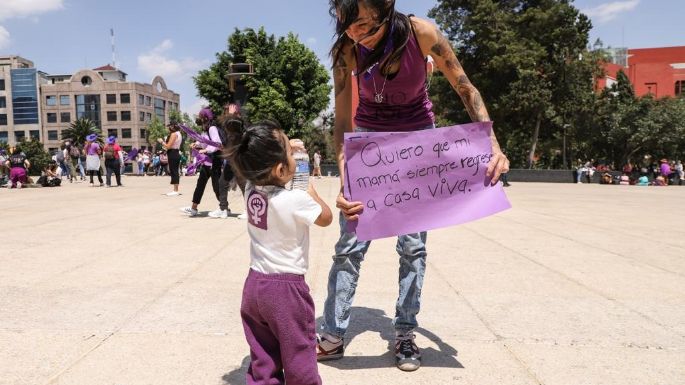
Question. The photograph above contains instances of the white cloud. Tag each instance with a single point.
(194, 108)
(609, 11)
(26, 8)
(4, 37)
(311, 41)
(157, 62)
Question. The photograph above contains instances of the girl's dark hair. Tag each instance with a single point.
(260, 148)
(173, 127)
(345, 13)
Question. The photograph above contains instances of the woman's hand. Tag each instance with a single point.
(350, 210)
(297, 145)
(499, 164)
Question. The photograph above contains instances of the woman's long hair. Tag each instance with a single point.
(345, 13)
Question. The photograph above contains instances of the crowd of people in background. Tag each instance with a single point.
(648, 173)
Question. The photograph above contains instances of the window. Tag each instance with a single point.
(64, 100)
(159, 108)
(141, 116)
(148, 101)
(52, 134)
(148, 116)
(88, 106)
(3, 137)
(141, 99)
(679, 89)
(111, 116)
(3, 119)
(113, 132)
(64, 117)
(126, 133)
(125, 98)
(19, 136)
(51, 100)
(125, 116)
(52, 117)
(111, 98)
(2, 84)
(143, 133)
(34, 135)
(651, 88)
(86, 81)
(25, 97)
(3, 102)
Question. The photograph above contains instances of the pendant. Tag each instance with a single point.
(378, 98)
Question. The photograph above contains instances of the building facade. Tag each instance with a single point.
(118, 107)
(19, 99)
(656, 71)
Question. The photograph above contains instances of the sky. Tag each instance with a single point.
(177, 38)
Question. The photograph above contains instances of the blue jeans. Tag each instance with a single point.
(344, 274)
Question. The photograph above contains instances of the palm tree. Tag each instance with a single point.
(79, 129)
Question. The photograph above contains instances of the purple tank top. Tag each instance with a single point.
(405, 105)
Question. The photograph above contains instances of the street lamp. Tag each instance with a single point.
(563, 160)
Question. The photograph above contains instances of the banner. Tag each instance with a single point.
(420, 180)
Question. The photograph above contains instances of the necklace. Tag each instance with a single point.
(378, 96)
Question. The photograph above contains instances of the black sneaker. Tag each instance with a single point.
(407, 354)
(328, 350)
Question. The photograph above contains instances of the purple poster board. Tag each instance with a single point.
(420, 180)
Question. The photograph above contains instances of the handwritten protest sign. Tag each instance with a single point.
(420, 180)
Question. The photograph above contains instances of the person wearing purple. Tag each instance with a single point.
(93, 150)
(211, 168)
(387, 51)
(18, 165)
(277, 310)
(665, 169)
(112, 154)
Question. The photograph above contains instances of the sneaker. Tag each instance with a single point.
(219, 213)
(190, 211)
(92, 185)
(102, 184)
(172, 194)
(242, 216)
(326, 349)
(407, 354)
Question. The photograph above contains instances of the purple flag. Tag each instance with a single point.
(198, 137)
(420, 180)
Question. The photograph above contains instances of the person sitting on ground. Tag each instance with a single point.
(49, 176)
(642, 181)
(660, 181)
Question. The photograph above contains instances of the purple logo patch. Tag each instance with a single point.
(256, 207)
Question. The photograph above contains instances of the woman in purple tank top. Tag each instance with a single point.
(387, 50)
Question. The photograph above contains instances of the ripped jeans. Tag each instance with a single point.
(344, 274)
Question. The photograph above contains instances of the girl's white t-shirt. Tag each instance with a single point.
(283, 247)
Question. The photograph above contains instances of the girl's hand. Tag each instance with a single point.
(350, 210)
(297, 145)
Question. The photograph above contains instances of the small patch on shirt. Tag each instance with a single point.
(257, 205)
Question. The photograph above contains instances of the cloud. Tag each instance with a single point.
(4, 37)
(609, 11)
(194, 108)
(157, 62)
(27, 8)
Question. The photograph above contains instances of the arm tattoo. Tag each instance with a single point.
(340, 75)
(443, 49)
(471, 98)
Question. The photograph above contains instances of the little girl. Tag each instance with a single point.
(277, 310)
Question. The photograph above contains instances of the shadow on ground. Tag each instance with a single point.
(363, 320)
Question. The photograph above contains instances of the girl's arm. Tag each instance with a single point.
(326, 216)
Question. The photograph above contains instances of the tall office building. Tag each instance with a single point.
(19, 105)
(118, 107)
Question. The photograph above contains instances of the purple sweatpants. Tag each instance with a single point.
(278, 319)
(17, 174)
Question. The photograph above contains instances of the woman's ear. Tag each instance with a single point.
(278, 171)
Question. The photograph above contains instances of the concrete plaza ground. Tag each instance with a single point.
(576, 284)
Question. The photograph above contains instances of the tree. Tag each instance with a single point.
(79, 129)
(36, 154)
(529, 60)
(289, 84)
(155, 130)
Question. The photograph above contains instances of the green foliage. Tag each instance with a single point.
(155, 130)
(529, 60)
(289, 84)
(79, 129)
(36, 154)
